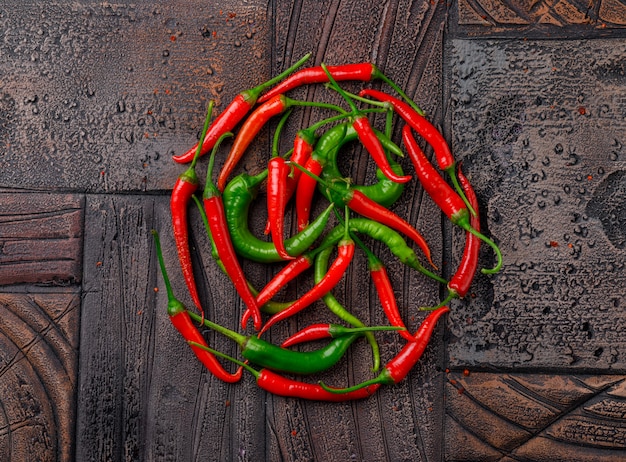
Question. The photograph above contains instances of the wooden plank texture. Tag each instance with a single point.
(95, 97)
(38, 373)
(40, 238)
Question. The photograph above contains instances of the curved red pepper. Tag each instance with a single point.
(305, 191)
(386, 295)
(278, 172)
(288, 273)
(185, 187)
(223, 244)
(461, 281)
(359, 71)
(183, 323)
(375, 148)
(248, 131)
(443, 195)
(345, 252)
(234, 113)
(401, 364)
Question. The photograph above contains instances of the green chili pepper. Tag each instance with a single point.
(238, 195)
(266, 354)
(384, 192)
(321, 266)
(392, 239)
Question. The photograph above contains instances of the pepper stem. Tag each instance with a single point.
(253, 93)
(279, 129)
(339, 90)
(358, 386)
(491, 244)
(231, 334)
(205, 128)
(166, 279)
(451, 171)
(210, 190)
(451, 295)
(380, 75)
(225, 356)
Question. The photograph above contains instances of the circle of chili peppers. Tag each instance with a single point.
(306, 171)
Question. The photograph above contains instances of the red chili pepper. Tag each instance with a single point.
(248, 131)
(181, 320)
(324, 331)
(185, 187)
(386, 295)
(360, 203)
(443, 195)
(373, 145)
(216, 216)
(254, 123)
(284, 386)
(303, 146)
(305, 191)
(288, 273)
(278, 171)
(345, 252)
(359, 71)
(233, 114)
(428, 131)
(400, 366)
(277, 384)
(461, 281)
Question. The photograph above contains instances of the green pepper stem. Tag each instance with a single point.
(380, 75)
(295, 102)
(205, 128)
(451, 171)
(340, 90)
(451, 295)
(166, 279)
(279, 129)
(231, 334)
(358, 386)
(210, 190)
(253, 93)
(492, 244)
(225, 356)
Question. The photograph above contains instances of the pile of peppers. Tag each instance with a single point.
(351, 216)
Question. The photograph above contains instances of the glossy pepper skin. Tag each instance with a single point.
(266, 354)
(223, 245)
(181, 320)
(233, 114)
(238, 196)
(428, 131)
(443, 195)
(316, 74)
(401, 364)
(345, 252)
(280, 385)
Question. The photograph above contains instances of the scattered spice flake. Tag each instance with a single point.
(98, 264)
(582, 110)
(554, 244)
(453, 382)
(461, 390)
(466, 372)
(156, 289)
(173, 38)
(570, 245)
(294, 433)
(227, 403)
(589, 177)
